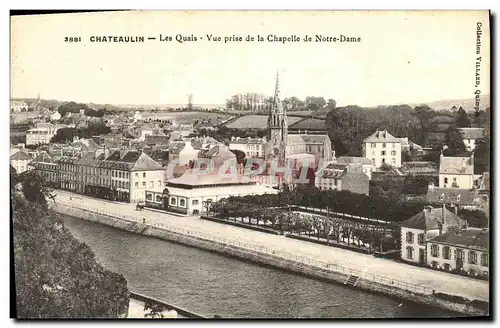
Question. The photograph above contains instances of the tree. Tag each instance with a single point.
(56, 276)
(454, 142)
(240, 156)
(315, 103)
(462, 120)
(331, 104)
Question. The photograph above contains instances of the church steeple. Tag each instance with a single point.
(277, 122)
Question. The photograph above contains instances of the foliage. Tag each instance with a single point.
(462, 120)
(240, 156)
(56, 276)
(93, 129)
(71, 107)
(475, 218)
(482, 155)
(455, 143)
(94, 113)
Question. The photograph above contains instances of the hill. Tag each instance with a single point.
(467, 104)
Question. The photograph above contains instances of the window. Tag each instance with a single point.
(447, 266)
(454, 179)
(159, 183)
(445, 180)
(472, 257)
(374, 145)
(393, 152)
(173, 201)
(434, 264)
(393, 161)
(373, 160)
(182, 203)
(409, 252)
(151, 184)
(434, 250)
(149, 196)
(383, 160)
(420, 238)
(409, 237)
(144, 174)
(195, 202)
(446, 252)
(459, 254)
(136, 174)
(384, 145)
(144, 183)
(383, 153)
(257, 154)
(484, 259)
(158, 198)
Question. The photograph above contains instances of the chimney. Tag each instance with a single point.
(444, 228)
(106, 152)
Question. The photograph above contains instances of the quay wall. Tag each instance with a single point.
(274, 259)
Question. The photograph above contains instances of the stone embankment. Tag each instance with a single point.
(285, 261)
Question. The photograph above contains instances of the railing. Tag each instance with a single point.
(254, 248)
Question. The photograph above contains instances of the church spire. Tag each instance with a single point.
(277, 104)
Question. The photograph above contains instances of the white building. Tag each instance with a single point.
(20, 161)
(337, 176)
(55, 116)
(18, 106)
(252, 147)
(425, 225)
(456, 172)
(190, 193)
(183, 151)
(470, 135)
(383, 148)
(460, 250)
(41, 134)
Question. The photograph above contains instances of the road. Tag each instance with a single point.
(437, 280)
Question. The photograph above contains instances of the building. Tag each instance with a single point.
(219, 155)
(20, 161)
(18, 106)
(366, 164)
(55, 116)
(420, 168)
(46, 167)
(470, 135)
(423, 226)
(456, 172)
(337, 176)
(41, 134)
(460, 251)
(281, 145)
(190, 193)
(383, 148)
(183, 151)
(252, 147)
(470, 199)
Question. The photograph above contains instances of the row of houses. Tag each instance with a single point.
(439, 239)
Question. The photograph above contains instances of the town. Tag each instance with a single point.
(406, 184)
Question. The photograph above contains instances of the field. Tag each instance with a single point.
(22, 117)
(186, 117)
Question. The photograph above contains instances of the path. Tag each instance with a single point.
(437, 280)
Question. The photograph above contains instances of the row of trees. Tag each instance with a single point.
(391, 208)
(93, 129)
(332, 229)
(260, 102)
(56, 276)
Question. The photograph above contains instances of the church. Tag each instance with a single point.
(282, 145)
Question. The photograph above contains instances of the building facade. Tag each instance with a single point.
(337, 176)
(470, 135)
(456, 172)
(252, 147)
(383, 148)
(41, 134)
(20, 161)
(460, 251)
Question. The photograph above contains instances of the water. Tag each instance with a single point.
(210, 284)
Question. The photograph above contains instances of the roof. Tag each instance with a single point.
(314, 138)
(456, 165)
(357, 160)
(294, 139)
(431, 218)
(157, 140)
(457, 196)
(420, 167)
(220, 191)
(332, 170)
(88, 160)
(176, 147)
(67, 159)
(130, 160)
(20, 156)
(193, 177)
(248, 141)
(472, 133)
(222, 151)
(381, 136)
(308, 124)
(468, 238)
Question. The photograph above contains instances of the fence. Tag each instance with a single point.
(246, 247)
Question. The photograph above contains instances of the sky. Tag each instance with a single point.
(403, 57)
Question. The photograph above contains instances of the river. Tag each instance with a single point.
(209, 283)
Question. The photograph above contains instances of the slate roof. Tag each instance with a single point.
(130, 160)
(357, 160)
(333, 171)
(157, 140)
(420, 167)
(457, 196)
(314, 138)
(20, 156)
(294, 139)
(221, 151)
(430, 219)
(67, 159)
(456, 165)
(89, 160)
(176, 147)
(472, 133)
(468, 238)
(381, 136)
(248, 141)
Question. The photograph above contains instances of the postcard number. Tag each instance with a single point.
(73, 39)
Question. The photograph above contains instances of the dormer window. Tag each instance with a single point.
(458, 197)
